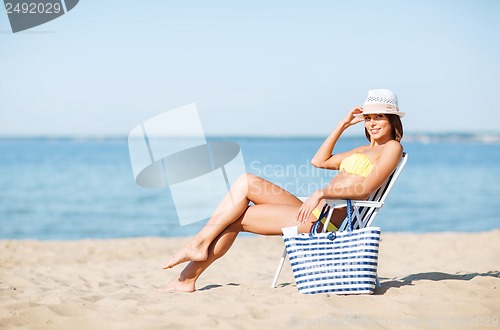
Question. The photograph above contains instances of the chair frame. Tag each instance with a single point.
(364, 213)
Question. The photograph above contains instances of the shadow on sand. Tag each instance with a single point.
(387, 284)
(214, 286)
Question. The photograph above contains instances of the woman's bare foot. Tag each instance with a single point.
(178, 285)
(190, 252)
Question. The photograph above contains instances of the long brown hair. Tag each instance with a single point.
(397, 127)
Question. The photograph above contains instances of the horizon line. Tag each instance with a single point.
(412, 134)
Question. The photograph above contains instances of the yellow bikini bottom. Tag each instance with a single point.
(331, 227)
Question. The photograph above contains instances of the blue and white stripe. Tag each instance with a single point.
(340, 262)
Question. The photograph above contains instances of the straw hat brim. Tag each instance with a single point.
(384, 111)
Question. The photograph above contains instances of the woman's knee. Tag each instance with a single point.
(247, 177)
(246, 180)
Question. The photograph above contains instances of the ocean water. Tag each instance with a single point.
(68, 188)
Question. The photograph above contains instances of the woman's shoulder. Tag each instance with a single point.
(394, 144)
(393, 147)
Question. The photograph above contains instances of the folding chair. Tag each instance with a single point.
(364, 211)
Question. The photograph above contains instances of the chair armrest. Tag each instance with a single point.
(368, 204)
(339, 203)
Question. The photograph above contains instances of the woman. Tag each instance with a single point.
(361, 171)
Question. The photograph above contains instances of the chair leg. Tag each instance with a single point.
(377, 281)
(278, 271)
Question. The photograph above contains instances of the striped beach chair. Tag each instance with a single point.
(364, 211)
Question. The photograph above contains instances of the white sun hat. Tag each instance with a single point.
(381, 101)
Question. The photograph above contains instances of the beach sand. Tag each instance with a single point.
(429, 281)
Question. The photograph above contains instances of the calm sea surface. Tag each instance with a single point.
(84, 188)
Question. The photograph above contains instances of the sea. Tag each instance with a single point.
(70, 188)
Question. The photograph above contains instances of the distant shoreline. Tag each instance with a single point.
(243, 235)
(423, 137)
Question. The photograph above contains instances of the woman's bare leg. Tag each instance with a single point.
(266, 219)
(186, 280)
(248, 188)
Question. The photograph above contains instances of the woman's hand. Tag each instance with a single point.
(350, 120)
(308, 206)
(323, 157)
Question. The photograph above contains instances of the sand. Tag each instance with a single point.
(429, 281)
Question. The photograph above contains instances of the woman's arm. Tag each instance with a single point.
(385, 166)
(323, 157)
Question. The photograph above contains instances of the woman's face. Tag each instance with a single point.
(378, 125)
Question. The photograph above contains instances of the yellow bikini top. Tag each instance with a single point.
(357, 164)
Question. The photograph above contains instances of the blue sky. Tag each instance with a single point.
(252, 67)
